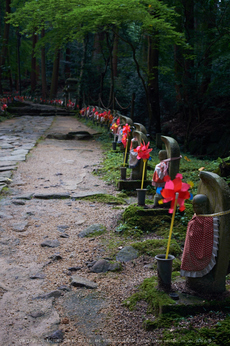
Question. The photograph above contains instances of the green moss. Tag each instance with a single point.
(106, 199)
(153, 247)
(151, 221)
(149, 201)
(123, 229)
(122, 195)
(5, 191)
(218, 335)
(96, 233)
(166, 321)
(148, 292)
(176, 266)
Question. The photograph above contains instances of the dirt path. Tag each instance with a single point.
(38, 304)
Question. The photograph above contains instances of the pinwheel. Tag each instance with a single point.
(125, 132)
(124, 142)
(126, 129)
(113, 128)
(175, 191)
(170, 189)
(143, 153)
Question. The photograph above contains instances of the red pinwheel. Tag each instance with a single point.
(113, 128)
(126, 130)
(170, 189)
(124, 140)
(143, 151)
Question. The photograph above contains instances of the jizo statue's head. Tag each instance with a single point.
(162, 155)
(200, 204)
(134, 143)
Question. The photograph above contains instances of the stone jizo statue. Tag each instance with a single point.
(205, 258)
(201, 242)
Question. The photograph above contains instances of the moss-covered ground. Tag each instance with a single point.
(147, 231)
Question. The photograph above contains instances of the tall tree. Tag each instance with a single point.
(91, 16)
(34, 75)
(5, 43)
(43, 67)
(54, 80)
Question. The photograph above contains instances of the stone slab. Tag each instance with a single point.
(51, 195)
(132, 184)
(87, 194)
(79, 281)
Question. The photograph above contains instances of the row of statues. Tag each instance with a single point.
(205, 259)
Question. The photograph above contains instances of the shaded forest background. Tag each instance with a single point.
(172, 57)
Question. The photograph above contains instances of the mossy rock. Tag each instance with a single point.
(93, 230)
(148, 292)
(146, 220)
(139, 220)
(106, 199)
(153, 247)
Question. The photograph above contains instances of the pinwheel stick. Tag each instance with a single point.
(125, 154)
(171, 226)
(143, 173)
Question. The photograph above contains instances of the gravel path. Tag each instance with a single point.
(41, 253)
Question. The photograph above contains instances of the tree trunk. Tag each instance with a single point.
(153, 85)
(43, 68)
(54, 81)
(79, 97)
(115, 52)
(5, 43)
(67, 63)
(188, 84)
(33, 75)
(111, 94)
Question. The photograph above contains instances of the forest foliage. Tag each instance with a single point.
(172, 57)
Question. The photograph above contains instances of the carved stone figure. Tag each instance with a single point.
(137, 170)
(215, 204)
(169, 161)
(201, 243)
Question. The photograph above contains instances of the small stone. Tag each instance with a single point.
(64, 235)
(52, 294)
(36, 314)
(128, 253)
(18, 202)
(95, 228)
(74, 269)
(149, 266)
(50, 243)
(56, 257)
(79, 281)
(62, 228)
(56, 336)
(20, 227)
(26, 196)
(64, 288)
(101, 266)
(37, 276)
(90, 264)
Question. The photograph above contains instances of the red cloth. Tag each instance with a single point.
(161, 170)
(198, 244)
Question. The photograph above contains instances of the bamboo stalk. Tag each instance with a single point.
(171, 226)
(143, 173)
(125, 153)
